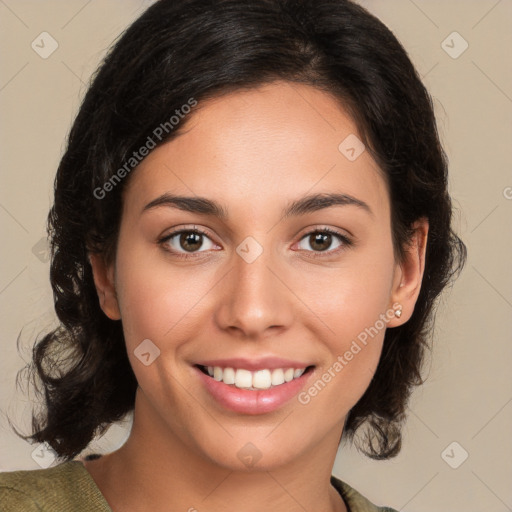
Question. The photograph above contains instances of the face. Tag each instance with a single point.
(250, 277)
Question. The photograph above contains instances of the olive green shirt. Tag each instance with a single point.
(68, 487)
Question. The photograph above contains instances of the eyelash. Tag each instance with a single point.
(345, 241)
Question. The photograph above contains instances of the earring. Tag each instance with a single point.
(398, 312)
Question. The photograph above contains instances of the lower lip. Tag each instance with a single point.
(246, 401)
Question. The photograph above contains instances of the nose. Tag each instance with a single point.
(255, 299)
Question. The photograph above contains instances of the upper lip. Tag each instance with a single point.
(263, 363)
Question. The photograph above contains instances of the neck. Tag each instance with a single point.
(157, 469)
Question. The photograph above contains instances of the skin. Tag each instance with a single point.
(253, 152)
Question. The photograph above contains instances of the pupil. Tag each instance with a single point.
(189, 239)
(321, 238)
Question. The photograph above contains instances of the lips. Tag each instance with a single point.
(253, 386)
(263, 363)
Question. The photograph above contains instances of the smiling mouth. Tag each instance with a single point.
(254, 380)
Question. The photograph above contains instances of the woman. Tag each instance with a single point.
(250, 230)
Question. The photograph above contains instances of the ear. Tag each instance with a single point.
(408, 275)
(104, 282)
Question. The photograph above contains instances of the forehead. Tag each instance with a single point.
(265, 146)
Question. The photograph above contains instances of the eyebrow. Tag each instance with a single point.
(302, 206)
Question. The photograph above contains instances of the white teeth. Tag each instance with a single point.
(228, 376)
(260, 379)
(217, 373)
(277, 377)
(288, 375)
(243, 378)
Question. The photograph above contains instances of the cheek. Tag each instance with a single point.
(353, 304)
(156, 299)
(353, 351)
(350, 298)
(163, 305)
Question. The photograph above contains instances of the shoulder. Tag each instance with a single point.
(67, 486)
(355, 501)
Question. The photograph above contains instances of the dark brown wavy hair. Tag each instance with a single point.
(180, 49)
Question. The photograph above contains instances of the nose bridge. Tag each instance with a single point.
(255, 299)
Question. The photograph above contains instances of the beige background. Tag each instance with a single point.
(468, 395)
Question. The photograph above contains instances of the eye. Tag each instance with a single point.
(321, 240)
(187, 241)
